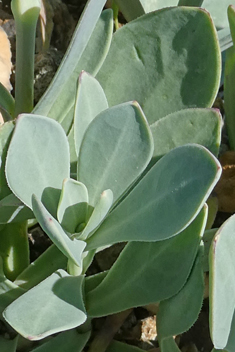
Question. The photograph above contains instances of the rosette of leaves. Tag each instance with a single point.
(95, 168)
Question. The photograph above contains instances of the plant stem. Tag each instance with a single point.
(115, 15)
(26, 14)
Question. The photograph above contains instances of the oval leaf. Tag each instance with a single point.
(55, 305)
(165, 201)
(37, 160)
(154, 61)
(116, 148)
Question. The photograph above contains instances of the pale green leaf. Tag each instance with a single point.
(216, 8)
(55, 305)
(165, 201)
(230, 347)
(87, 51)
(37, 160)
(146, 273)
(154, 61)
(99, 213)
(71, 248)
(201, 126)
(115, 150)
(73, 205)
(90, 101)
(222, 283)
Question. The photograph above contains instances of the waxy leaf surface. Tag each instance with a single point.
(201, 126)
(55, 305)
(216, 8)
(73, 205)
(147, 272)
(167, 75)
(115, 150)
(72, 249)
(37, 160)
(87, 51)
(100, 211)
(151, 212)
(222, 283)
(90, 101)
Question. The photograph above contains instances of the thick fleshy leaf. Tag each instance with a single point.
(73, 205)
(117, 346)
(87, 51)
(37, 160)
(228, 82)
(165, 201)
(8, 345)
(99, 213)
(201, 126)
(14, 249)
(90, 101)
(216, 8)
(13, 210)
(5, 136)
(70, 341)
(116, 149)
(8, 290)
(146, 273)
(154, 61)
(231, 340)
(55, 305)
(72, 249)
(178, 313)
(222, 283)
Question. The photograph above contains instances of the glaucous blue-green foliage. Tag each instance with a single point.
(121, 148)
